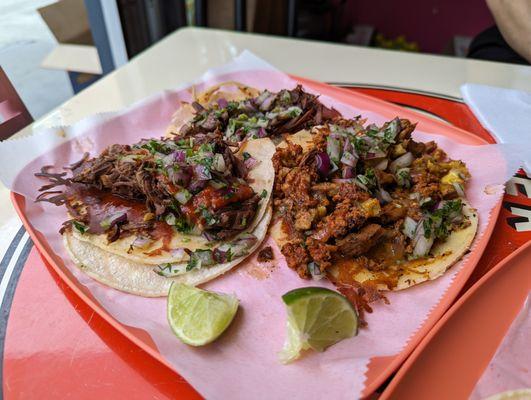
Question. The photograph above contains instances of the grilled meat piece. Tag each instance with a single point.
(393, 212)
(417, 148)
(338, 223)
(406, 129)
(297, 258)
(234, 218)
(356, 244)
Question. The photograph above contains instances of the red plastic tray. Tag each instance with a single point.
(473, 328)
(379, 368)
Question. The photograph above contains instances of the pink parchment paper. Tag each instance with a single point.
(509, 368)
(243, 362)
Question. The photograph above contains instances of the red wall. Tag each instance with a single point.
(430, 23)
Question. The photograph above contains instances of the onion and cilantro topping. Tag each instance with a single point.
(202, 258)
(435, 225)
(195, 186)
(267, 114)
(80, 226)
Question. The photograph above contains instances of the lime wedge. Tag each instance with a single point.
(198, 317)
(317, 319)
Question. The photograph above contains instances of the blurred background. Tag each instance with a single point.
(50, 50)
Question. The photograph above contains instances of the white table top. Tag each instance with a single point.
(187, 53)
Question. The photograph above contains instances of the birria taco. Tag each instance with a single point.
(164, 210)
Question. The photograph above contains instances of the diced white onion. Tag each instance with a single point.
(459, 189)
(403, 161)
(410, 226)
(382, 165)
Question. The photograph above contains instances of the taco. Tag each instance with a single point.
(165, 208)
(369, 207)
(242, 113)
(142, 279)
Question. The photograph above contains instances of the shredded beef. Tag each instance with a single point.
(234, 218)
(313, 113)
(153, 172)
(136, 180)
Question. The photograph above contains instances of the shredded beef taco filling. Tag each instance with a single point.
(371, 194)
(266, 115)
(157, 186)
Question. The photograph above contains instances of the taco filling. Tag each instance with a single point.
(160, 185)
(267, 114)
(369, 205)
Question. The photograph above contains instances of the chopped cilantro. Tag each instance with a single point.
(453, 206)
(192, 262)
(367, 181)
(183, 142)
(160, 166)
(81, 227)
(440, 221)
(206, 148)
(263, 195)
(391, 131)
(208, 216)
(246, 155)
(360, 145)
(174, 206)
(389, 136)
(179, 223)
(182, 226)
(229, 254)
(403, 177)
(370, 174)
(155, 146)
(372, 132)
(232, 106)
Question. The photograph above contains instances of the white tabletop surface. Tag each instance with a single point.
(187, 53)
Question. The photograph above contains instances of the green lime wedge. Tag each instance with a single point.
(198, 317)
(317, 319)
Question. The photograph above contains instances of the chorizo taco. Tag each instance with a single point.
(164, 210)
(369, 207)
